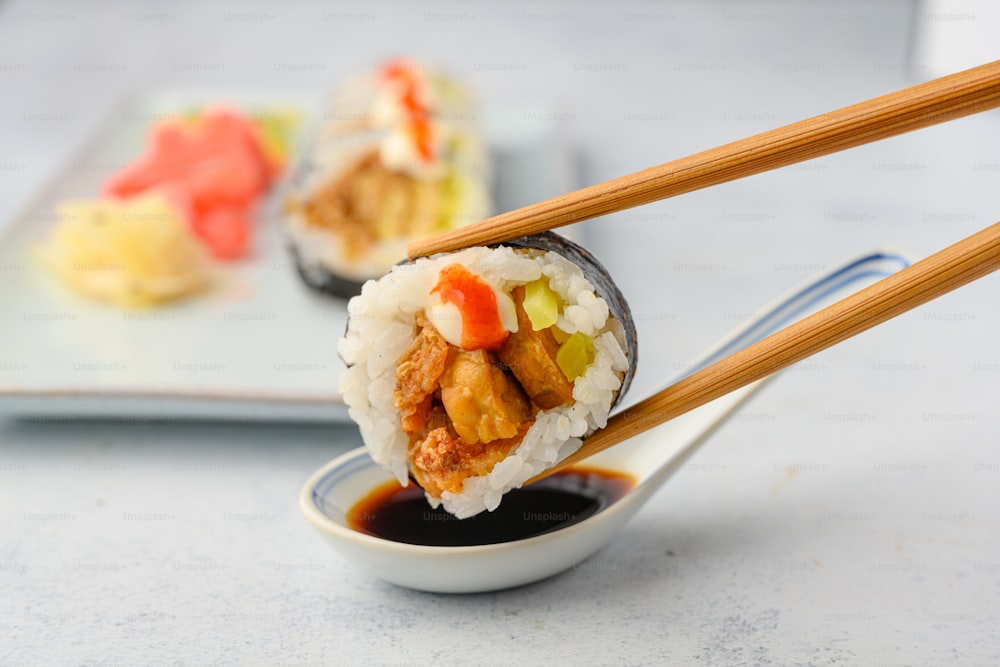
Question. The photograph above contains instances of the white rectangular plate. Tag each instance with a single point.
(260, 346)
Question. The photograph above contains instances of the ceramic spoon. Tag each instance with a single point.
(650, 458)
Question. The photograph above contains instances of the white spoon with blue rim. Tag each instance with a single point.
(331, 495)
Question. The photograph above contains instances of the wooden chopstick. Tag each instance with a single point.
(923, 105)
(945, 270)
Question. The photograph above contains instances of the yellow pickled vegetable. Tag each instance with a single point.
(560, 335)
(134, 252)
(575, 355)
(541, 304)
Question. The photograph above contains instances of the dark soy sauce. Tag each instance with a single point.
(401, 514)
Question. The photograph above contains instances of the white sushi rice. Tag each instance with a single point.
(382, 326)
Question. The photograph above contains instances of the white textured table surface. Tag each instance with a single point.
(848, 515)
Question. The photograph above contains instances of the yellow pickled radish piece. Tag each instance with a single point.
(575, 355)
(541, 304)
(560, 335)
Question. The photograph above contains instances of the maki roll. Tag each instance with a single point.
(398, 157)
(473, 371)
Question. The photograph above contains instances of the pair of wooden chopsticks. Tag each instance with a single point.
(921, 106)
(940, 273)
(926, 104)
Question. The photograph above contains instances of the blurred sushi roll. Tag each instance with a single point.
(398, 156)
(473, 371)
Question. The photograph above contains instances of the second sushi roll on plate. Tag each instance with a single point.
(398, 156)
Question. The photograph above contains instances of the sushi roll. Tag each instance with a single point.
(398, 156)
(473, 371)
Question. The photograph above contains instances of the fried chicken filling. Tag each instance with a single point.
(465, 411)
(531, 357)
(367, 203)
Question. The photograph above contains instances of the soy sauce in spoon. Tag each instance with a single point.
(401, 514)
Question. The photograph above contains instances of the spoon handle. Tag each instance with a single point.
(937, 274)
